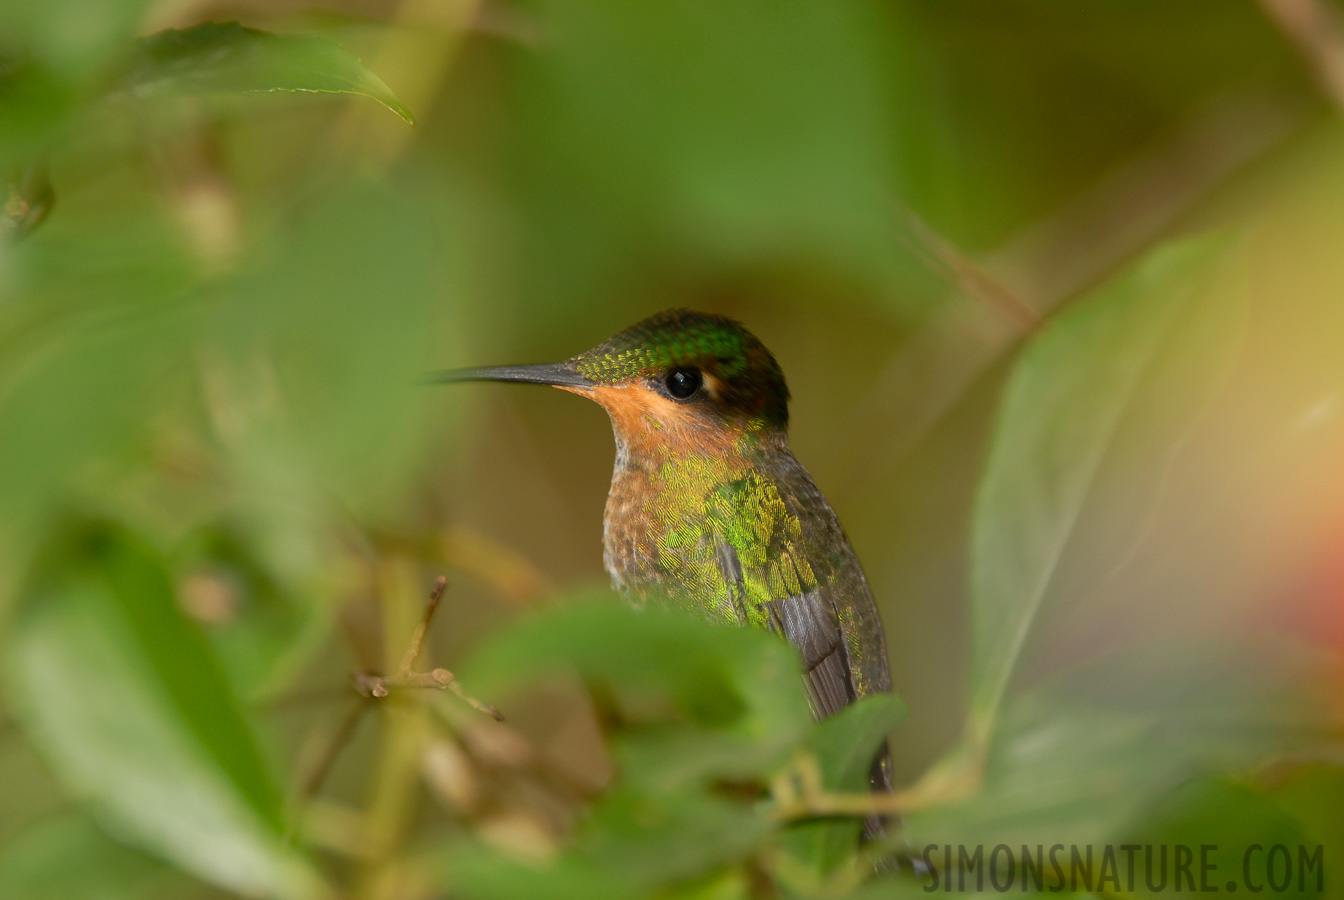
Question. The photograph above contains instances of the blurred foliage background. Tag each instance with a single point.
(1058, 288)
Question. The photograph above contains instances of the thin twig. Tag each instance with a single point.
(488, 708)
(342, 736)
(339, 740)
(800, 794)
(1317, 29)
(1054, 260)
(418, 638)
(376, 686)
(967, 275)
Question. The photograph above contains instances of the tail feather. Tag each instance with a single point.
(875, 828)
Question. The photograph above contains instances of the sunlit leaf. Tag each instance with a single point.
(229, 58)
(128, 705)
(1063, 405)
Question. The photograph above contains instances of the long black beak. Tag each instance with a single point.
(557, 374)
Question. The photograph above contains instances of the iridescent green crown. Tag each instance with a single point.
(753, 382)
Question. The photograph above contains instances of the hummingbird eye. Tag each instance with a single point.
(682, 384)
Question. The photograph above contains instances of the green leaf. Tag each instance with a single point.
(75, 37)
(633, 844)
(125, 700)
(735, 680)
(92, 324)
(1063, 407)
(1220, 820)
(262, 625)
(664, 757)
(1083, 757)
(229, 58)
(846, 743)
(659, 839)
(845, 746)
(350, 307)
(481, 873)
(699, 706)
(37, 863)
(1313, 795)
(906, 886)
(734, 133)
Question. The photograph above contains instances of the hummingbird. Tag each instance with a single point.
(710, 511)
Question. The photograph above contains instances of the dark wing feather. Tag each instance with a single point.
(809, 622)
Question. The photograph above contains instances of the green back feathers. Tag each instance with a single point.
(753, 383)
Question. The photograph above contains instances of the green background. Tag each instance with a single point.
(1059, 293)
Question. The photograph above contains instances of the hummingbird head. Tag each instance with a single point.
(677, 374)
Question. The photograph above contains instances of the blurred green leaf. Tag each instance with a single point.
(78, 37)
(229, 58)
(634, 843)
(262, 625)
(728, 884)
(846, 743)
(34, 101)
(700, 705)
(1060, 413)
(1220, 820)
(1313, 795)
(321, 349)
(38, 863)
(1085, 756)
(664, 756)
(95, 327)
(699, 136)
(484, 874)
(845, 746)
(126, 701)
(669, 756)
(896, 887)
(29, 202)
(736, 680)
(1055, 774)
(1228, 703)
(1000, 135)
(666, 838)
